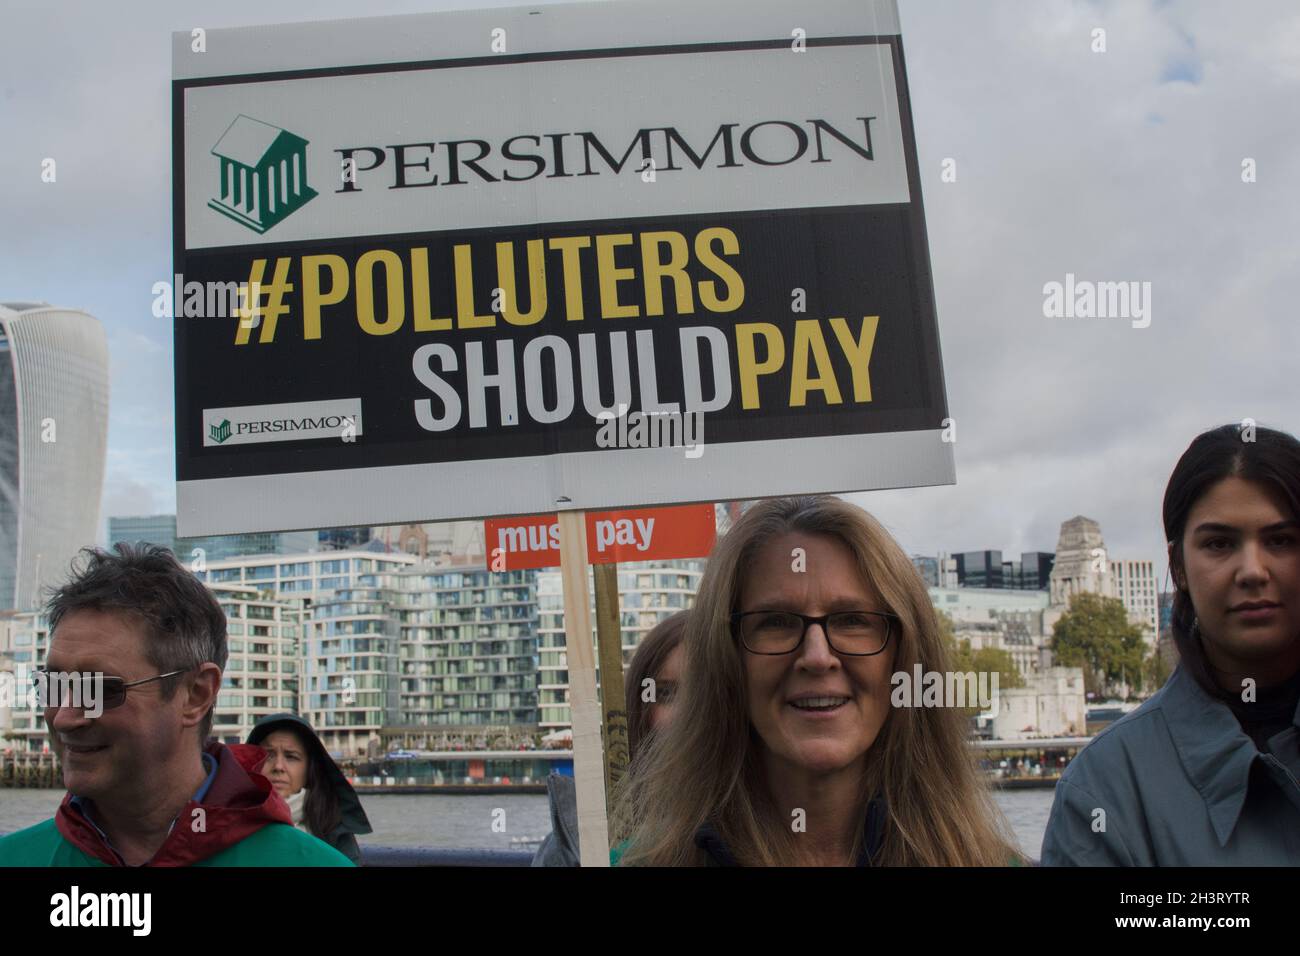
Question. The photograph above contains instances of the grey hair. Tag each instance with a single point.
(184, 625)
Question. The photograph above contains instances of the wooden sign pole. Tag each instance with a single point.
(584, 712)
(609, 645)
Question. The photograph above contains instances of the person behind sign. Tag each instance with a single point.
(320, 799)
(650, 687)
(143, 788)
(650, 693)
(1204, 772)
(785, 749)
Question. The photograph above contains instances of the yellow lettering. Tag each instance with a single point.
(536, 282)
(393, 280)
(249, 305)
(312, 298)
(858, 353)
(656, 270)
(808, 341)
(750, 369)
(465, 317)
(424, 322)
(735, 297)
(610, 276)
(572, 266)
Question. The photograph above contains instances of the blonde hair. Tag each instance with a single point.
(706, 766)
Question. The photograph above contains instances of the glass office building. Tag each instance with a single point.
(53, 443)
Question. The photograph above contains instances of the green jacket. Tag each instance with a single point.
(275, 844)
(235, 819)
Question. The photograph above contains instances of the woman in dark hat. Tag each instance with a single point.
(320, 798)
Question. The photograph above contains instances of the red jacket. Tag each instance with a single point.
(239, 803)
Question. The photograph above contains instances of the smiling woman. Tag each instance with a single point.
(785, 749)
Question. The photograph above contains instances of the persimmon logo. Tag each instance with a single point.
(263, 173)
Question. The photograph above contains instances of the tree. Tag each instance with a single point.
(995, 660)
(1095, 634)
(1155, 670)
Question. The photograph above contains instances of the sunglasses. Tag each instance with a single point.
(85, 689)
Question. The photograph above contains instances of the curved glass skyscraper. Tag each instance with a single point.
(53, 438)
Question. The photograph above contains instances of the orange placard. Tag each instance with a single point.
(637, 534)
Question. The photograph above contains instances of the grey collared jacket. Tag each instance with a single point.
(560, 847)
(1178, 783)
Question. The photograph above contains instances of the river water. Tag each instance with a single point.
(467, 821)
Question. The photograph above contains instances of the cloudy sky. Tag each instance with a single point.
(1122, 165)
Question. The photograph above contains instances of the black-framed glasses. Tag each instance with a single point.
(855, 633)
(110, 693)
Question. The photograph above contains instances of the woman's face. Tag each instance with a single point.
(1241, 558)
(666, 683)
(795, 738)
(286, 762)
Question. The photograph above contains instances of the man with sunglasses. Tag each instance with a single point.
(134, 667)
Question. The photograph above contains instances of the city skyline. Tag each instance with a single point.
(393, 647)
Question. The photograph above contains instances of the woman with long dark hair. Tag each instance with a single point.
(650, 696)
(302, 772)
(653, 676)
(1205, 772)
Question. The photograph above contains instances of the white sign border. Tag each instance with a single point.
(592, 480)
(541, 28)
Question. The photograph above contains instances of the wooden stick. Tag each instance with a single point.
(609, 643)
(584, 712)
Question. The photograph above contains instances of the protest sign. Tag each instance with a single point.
(517, 261)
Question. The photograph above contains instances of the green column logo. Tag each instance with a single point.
(220, 432)
(263, 173)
